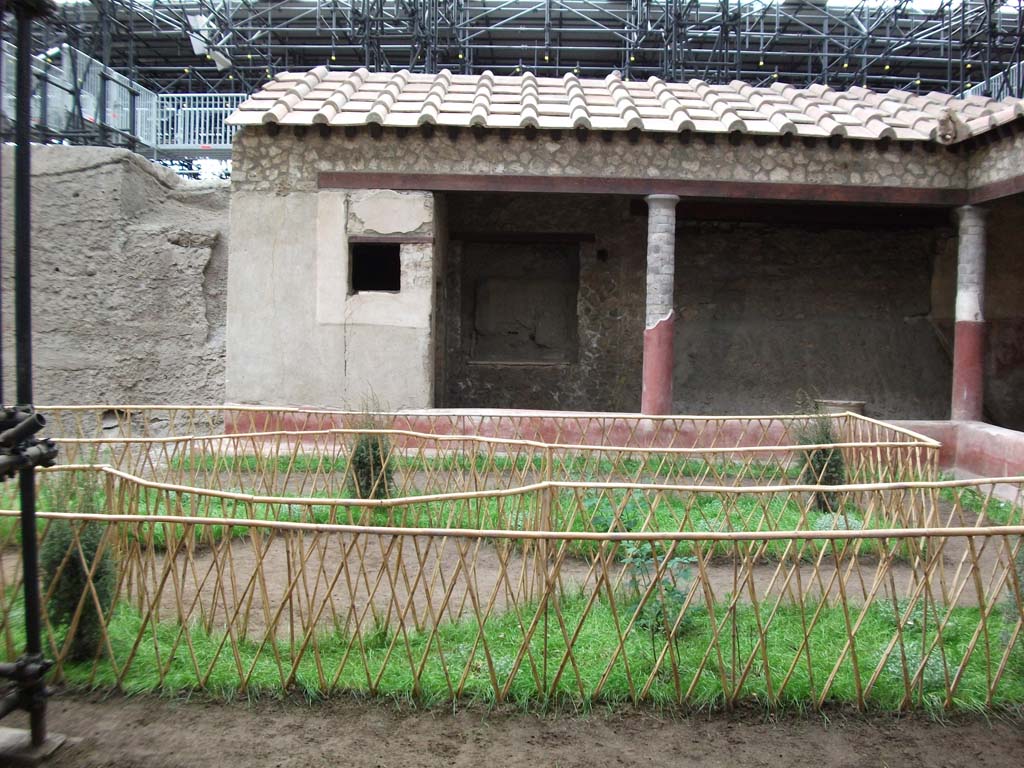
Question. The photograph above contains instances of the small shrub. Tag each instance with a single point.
(372, 476)
(67, 570)
(822, 466)
(659, 613)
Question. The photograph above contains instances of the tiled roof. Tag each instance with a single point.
(404, 100)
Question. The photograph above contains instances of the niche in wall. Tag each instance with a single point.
(520, 306)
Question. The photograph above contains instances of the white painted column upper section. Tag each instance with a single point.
(661, 256)
(970, 264)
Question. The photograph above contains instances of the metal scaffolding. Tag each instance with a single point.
(231, 46)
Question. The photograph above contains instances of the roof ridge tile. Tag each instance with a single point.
(359, 97)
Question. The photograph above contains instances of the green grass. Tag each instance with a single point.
(574, 467)
(572, 510)
(300, 463)
(598, 637)
(997, 511)
(631, 511)
(593, 650)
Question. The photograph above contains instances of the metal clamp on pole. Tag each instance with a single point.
(19, 448)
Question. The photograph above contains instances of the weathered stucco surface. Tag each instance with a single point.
(129, 279)
(296, 333)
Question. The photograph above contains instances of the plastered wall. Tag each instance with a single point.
(296, 332)
(129, 279)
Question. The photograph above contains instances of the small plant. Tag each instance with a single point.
(824, 465)
(658, 615)
(372, 472)
(611, 512)
(371, 467)
(70, 558)
(838, 521)
(379, 635)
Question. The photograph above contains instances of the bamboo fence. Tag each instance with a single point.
(513, 569)
(523, 600)
(571, 428)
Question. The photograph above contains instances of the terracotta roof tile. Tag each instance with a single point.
(402, 99)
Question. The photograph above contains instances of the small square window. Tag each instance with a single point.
(375, 267)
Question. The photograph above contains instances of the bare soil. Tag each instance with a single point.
(118, 732)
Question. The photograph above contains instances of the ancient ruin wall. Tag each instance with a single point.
(1003, 309)
(999, 161)
(288, 162)
(765, 310)
(129, 283)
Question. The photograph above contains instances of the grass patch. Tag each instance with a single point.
(633, 511)
(300, 463)
(996, 511)
(583, 466)
(383, 664)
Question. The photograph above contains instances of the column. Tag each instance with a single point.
(656, 397)
(969, 336)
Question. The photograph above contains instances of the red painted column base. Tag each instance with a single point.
(968, 371)
(656, 397)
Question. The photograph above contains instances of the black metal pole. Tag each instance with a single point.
(101, 118)
(33, 697)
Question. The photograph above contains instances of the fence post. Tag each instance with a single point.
(101, 121)
(544, 556)
(133, 123)
(543, 522)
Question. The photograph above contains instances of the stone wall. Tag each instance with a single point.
(288, 162)
(129, 280)
(765, 311)
(605, 372)
(998, 161)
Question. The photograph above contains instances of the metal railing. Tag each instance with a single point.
(1009, 82)
(196, 121)
(74, 96)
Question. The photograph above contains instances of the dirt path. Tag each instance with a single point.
(147, 732)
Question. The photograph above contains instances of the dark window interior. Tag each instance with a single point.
(376, 267)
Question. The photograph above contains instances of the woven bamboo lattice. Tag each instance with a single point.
(513, 569)
(551, 427)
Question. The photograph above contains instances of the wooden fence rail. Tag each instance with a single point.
(897, 595)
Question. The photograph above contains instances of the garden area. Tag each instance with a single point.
(789, 562)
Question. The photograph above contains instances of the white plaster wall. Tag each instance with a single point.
(294, 334)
